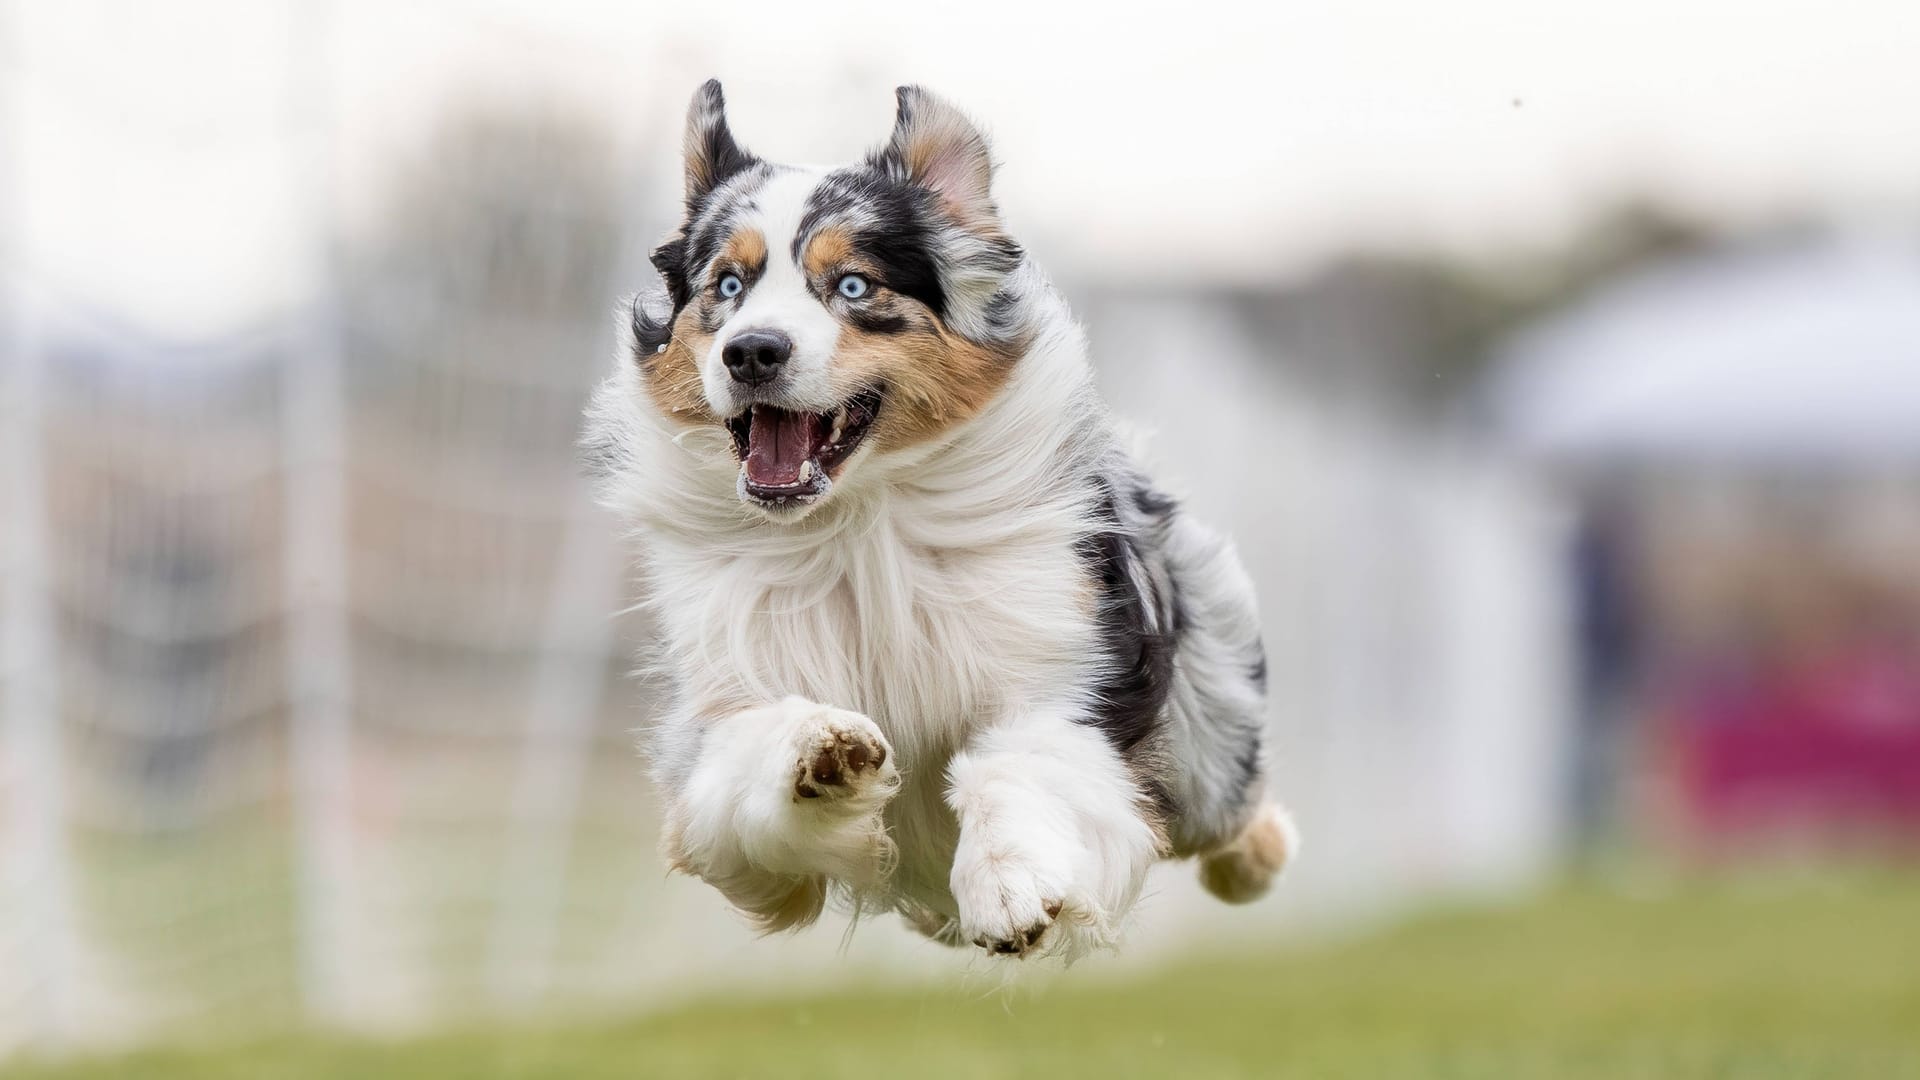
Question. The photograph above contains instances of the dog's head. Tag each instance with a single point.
(826, 316)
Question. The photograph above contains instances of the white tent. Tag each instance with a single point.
(1808, 354)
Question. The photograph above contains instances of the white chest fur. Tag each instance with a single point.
(929, 641)
(942, 594)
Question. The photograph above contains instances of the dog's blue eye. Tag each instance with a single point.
(731, 285)
(853, 286)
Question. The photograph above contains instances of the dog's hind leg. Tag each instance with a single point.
(1217, 722)
(1217, 705)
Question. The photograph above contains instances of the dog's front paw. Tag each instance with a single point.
(841, 756)
(1008, 900)
(1008, 937)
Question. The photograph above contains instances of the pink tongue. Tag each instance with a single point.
(778, 443)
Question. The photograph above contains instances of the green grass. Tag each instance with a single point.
(1766, 977)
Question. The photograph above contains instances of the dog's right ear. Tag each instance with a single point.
(712, 155)
(670, 259)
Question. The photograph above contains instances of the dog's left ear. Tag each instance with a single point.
(935, 146)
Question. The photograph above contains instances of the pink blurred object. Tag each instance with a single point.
(1830, 744)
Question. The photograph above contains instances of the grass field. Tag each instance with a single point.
(1813, 976)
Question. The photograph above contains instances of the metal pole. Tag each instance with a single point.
(318, 651)
(38, 862)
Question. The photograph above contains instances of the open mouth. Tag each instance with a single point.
(787, 456)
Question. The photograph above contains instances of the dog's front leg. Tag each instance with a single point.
(1055, 836)
(777, 801)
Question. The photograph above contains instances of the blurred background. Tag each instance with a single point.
(1558, 372)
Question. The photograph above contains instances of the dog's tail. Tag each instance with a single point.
(1243, 869)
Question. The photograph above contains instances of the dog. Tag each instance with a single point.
(934, 643)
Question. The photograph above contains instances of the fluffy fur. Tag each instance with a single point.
(967, 663)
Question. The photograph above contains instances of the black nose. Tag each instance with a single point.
(754, 356)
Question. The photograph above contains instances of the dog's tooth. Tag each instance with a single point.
(806, 470)
(839, 423)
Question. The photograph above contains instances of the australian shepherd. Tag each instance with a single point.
(935, 643)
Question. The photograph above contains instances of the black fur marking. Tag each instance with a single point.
(875, 322)
(1156, 509)
(1003, 309)
(670, 259)
(1138, 639)
(1157, 793)
(649, 333)
(903, 99)
(708, 232)
(1002, 255)
(895, 229)
(1153, 503)
(1257, 671)
(1248, 766)
(683, 257)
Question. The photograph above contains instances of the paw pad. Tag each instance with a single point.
(836, 763)
(1023, 941)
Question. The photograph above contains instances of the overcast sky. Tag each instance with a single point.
(158, 160)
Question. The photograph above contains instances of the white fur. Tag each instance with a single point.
(779, 300)
(1050, 825)
(742, 801)
(937, 602)
(741, 822)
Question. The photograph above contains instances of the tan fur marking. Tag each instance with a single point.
(830, 248)
(1243, 870)
(798, 907)
(673, 377)
(935, 380)
(746, 249)
(694, 152)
